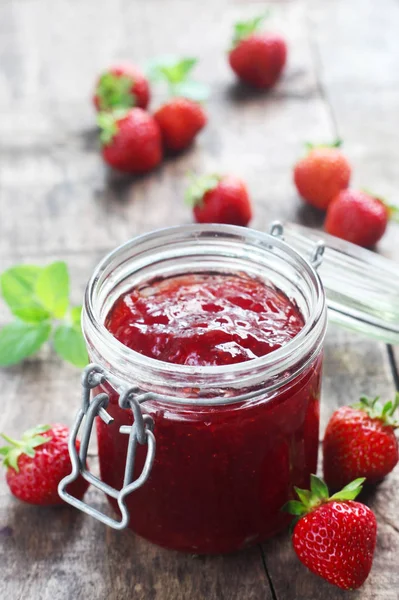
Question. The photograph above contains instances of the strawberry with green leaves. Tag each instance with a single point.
(182, 117)
(38, 297)
(257, 58)
(37, 463)
(219, 199)
(322, 174)
(131, 140)
(360, 441)
(333, 536)
(121, 87)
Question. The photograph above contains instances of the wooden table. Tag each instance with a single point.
(59, 202)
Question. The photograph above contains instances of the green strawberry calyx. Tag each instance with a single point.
(30, 440)
(244, 29)
(318, 494)
(108, 124)
(198, 187)
(337, 143)
(375, 409)
(115, 91)
(393, 212)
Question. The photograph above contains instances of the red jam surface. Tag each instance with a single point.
(205, 320)
(221, 473)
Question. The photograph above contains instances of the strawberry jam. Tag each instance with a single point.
(222, 472)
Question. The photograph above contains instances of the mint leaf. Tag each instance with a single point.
(177, 72)
(193, 90)
(170, 68)
(19, 340)
(18, 290)
(154, 66)
(52, 289)
(76, 314)
(70, 345)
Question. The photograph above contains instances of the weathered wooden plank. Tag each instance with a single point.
(61, 554)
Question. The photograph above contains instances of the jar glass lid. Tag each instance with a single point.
(362, 288)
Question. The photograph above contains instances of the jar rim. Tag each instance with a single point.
(95, 331)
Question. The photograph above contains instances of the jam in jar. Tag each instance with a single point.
(225, 326)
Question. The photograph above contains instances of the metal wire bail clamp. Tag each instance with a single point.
(139, 432)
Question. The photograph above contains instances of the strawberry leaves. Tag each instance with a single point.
(319, 494)
(39, 298)
(377, 410)
(31, 439)
(176, 73)
(198, 188)
(350, 491)
(115, 92)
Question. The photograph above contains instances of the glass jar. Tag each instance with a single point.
(232, 440)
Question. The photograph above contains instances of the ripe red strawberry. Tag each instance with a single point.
(257, 58)
(219, 199)
(322, 174)
(333, 536)
(37, 463)
(182, 117)
(131, 140)
(358, 217)
(180, 120)
(121, 87)
(360, 442)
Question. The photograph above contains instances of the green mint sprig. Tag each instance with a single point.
(177, 74)
(39, 299)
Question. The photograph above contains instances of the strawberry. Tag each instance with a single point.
(219, 199)
(257, 58)
(334, 537)
(359, 217)
(180, 120)
(121, 87)
(182, 117)
(322, 174)
(360, 442)
(131, 140)
(37, 463)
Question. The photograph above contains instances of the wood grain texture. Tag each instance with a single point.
(57, 200)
